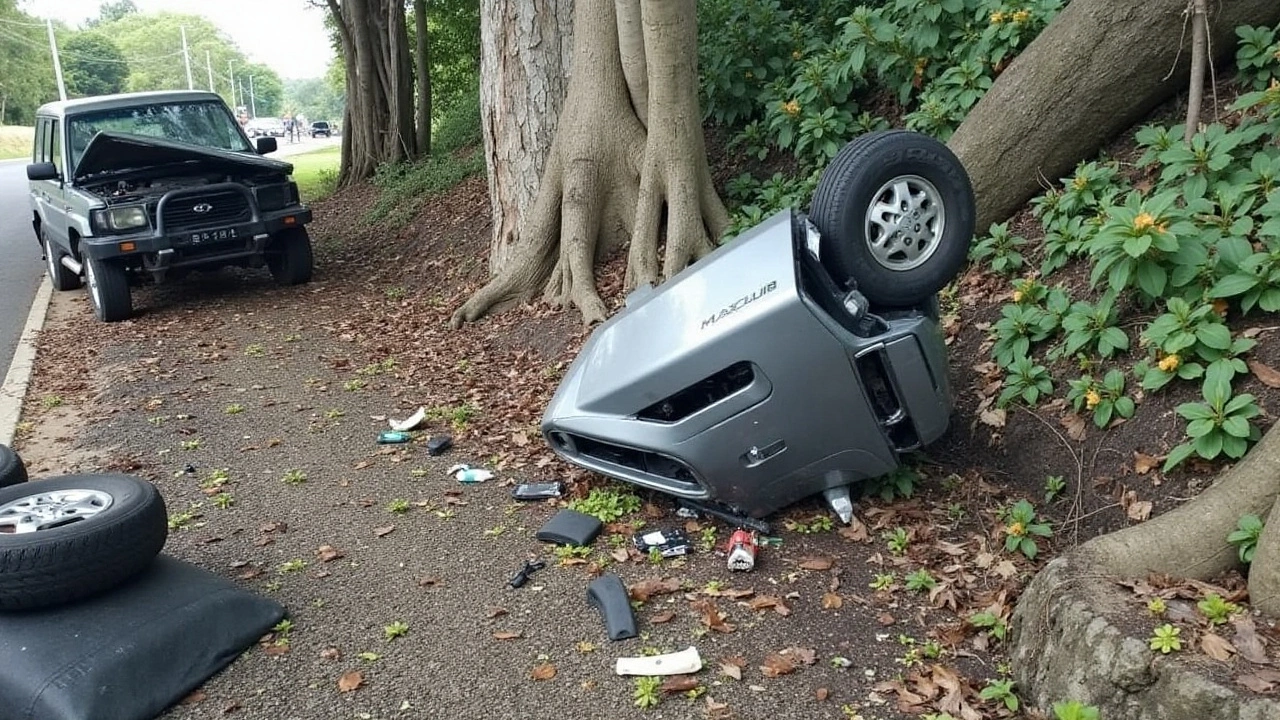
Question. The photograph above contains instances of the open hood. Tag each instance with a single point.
(122, 152)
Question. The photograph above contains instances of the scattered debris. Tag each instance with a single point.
(538, 491)
(608, 595)
(742, 550)
(570, 527)
(468, 475)
(668, 543)
(522, 575)
(410, 422)
(439, 444)
(392, 437)
(685, 662)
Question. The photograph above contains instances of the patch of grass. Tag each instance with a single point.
(405, 187)
(16, 141)
(316, 172)
(606, 505)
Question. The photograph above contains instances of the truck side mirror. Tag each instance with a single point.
(42, 171)
(266, 145)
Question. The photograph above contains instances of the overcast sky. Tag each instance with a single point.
(286, 35)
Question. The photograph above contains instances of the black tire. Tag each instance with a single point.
(12, 470)
(875, 170)
(108, 290)
(289, 257)
(61, 561)
(61, 278)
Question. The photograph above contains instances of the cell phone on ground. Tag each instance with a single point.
(537, 491)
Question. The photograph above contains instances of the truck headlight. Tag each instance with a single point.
(126, 217)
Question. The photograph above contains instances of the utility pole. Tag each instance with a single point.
(57, 64)
(209, 66)
(186, 57)
(231, 71)
(253, 99)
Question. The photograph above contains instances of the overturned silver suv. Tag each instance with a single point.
(148, 186)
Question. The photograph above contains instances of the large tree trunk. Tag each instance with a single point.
(604, 176)
(524, 63)
(423, 59)
(379, 124)
(1077, 85)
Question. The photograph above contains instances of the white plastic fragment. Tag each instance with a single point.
(679, 663)
(410, 422)
(469, 475)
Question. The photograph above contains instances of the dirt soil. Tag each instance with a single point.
(255, 409)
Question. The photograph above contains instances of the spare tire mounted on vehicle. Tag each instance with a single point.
(895, 210)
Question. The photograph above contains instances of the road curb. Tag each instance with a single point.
(14, 388)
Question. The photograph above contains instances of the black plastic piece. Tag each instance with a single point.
(439, 445)
(131, 652)
(538, 491)
(570, 527)
(727, 515)
(608, 595)
(522, 575)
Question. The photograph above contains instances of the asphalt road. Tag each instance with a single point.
(21, 267)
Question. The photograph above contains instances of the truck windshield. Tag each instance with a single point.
(208, 124)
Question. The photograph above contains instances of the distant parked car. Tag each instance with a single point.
(320, 127)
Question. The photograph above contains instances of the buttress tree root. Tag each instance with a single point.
(629, 143)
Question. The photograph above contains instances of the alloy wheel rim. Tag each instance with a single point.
(904, 223)
(50, 510)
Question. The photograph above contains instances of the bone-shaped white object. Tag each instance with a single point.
(679, 663)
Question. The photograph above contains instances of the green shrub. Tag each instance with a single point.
(458, 126)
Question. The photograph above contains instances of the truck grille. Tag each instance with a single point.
(219, 208)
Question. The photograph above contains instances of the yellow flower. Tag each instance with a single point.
(1144, 221)
(1091, 399)
(1016, 529)
(791, 108)
(1021, 16)
(997, 18)
(796, 55)
(1169, 363)
(1080, 182)
(1017, 296)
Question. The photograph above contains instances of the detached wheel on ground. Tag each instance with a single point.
(12, 469)
(61, 278)
(289, 256)
(896, 211)
(75, 536)
(108, 289)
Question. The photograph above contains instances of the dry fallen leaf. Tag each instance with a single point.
(196, 696)
(494, 612)
(1266, 375)
(350, 681)
(766, 602)
(328, 553)
(1144, 463)
(816, 563)
(711, 616)
(646, 589)
(1074, 425)
(680, 683)
(855, 531)
(822, 694)
(808, 656)
(1247, 642)
(662, 617)
(543, 671)
(383, 531)
(731, 670)
(1216, 647)
(505, 635)
(993, 417)
(832, 601)
(777, 664)
(1255, 683)
(620, 554)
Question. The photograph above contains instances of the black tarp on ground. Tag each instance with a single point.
(129, 653)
